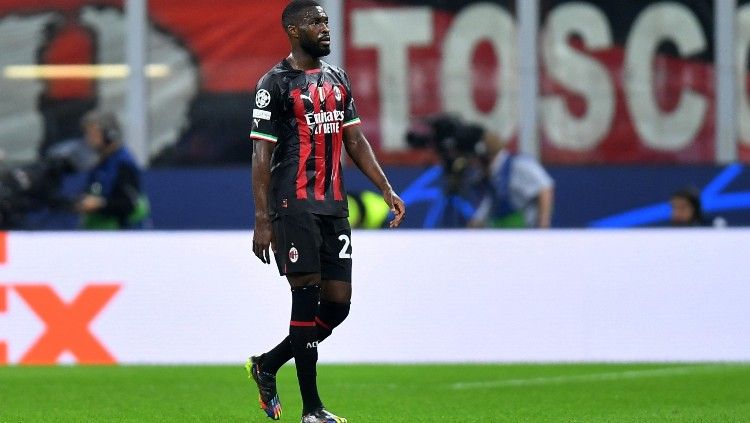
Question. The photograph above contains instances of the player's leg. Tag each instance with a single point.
(336, 289)
(297, 256)
(333, 308)
(303, 336)
(336, 273)
(335, 301)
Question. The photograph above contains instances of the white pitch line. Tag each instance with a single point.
(594, 377)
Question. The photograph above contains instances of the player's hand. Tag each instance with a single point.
(398, 208)
(476, 224)
(262, 238)
(90, 204)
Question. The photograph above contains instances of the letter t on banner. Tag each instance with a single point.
(392, 32)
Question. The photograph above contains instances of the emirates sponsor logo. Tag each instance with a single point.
(324, 117)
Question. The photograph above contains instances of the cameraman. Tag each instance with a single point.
(519, 192)
(113, 199)
(458, 146)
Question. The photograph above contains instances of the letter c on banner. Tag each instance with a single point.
(662, 131)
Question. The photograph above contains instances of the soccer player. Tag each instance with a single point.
(304, 114)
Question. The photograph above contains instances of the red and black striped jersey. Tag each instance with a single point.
(304, 114)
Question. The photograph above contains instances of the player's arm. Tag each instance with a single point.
(538, 184)
(546, 201)
(360, 151)
(481, 216)
(265, 135)
(263, 233)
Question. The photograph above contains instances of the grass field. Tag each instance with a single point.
(370, 393)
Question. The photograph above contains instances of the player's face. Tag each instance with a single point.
(314, 35)
(93, 136)
(682, 211)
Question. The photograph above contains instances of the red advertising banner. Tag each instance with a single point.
(619, 83)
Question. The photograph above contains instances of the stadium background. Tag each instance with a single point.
(639, 124)
(628, 110)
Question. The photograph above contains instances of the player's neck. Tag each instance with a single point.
(303, 61)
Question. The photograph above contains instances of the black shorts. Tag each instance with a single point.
(311, 243)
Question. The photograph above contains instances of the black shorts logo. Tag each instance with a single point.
(293, 255)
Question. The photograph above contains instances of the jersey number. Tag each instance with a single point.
(343, 254)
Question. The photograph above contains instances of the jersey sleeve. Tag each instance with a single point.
(265, 111)
(350, 109)
(529, 177)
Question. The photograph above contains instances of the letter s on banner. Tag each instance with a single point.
(581, 74)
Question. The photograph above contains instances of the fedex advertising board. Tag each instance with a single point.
(437, 296)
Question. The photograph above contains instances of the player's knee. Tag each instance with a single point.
(297, 280)
(304, 305)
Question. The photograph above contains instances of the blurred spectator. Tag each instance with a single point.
(113, 199)
(686, 209)
(519, 193)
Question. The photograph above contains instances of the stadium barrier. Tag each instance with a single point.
(419, 296)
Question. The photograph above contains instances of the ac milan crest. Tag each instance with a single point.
(293, 255)
(337, 92)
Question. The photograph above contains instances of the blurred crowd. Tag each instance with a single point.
(109, 195)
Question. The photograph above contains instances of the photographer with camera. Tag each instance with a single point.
(31, 194)
(113, 199)
(513, 190)
(458, 146)
(519, 192)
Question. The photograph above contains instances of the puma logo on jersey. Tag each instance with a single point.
(322, 94)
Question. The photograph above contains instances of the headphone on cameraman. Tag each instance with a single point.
(107, 124)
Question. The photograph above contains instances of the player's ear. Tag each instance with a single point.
(292, 31)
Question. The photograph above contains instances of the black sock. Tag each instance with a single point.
(329, 316)
(272, 361)
(303, 336)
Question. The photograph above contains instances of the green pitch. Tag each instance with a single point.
(365, 393)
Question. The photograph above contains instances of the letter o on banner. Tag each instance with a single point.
(474, 24)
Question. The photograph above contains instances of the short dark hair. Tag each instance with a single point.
(692, 196)
(291, 13)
